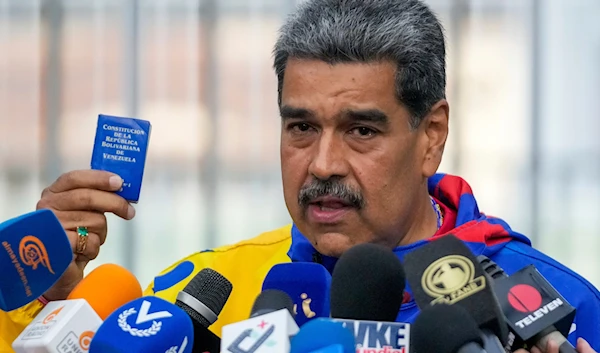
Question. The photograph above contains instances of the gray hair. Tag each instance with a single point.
(405, 32)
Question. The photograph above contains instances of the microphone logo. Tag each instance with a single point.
(305, 306)
(181, 349)
(39, 328)
(33, 253)
(85, 339)
(255, 334)
(451, 279)
(72, 343)
(524, 298)
(51, 316)
(527, 299)
(143, 316)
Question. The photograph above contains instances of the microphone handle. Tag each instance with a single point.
(491, 342)
(563, 344)
(204, 340)
(471, 347)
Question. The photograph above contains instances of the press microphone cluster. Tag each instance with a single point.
(69, 325)
(106, 313)
(446, 272)
(150, 324)
(366, 291)
(511, 312)
(364, 295)
(463, 300)
(304, 309)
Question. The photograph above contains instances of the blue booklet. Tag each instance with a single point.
(120, 147)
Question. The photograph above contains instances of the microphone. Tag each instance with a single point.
(147, 324)
(366, 294)
(98, 289)
(532, 307)
(371, 275)
(268, 329)
(308, 284)
(271, 300)
(323, 336)
(202, 299)
(445, 271)
(35, 252)
(446, 329)
(70, 324)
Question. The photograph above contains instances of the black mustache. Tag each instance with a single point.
(330, 187)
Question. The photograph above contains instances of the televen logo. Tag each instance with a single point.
(526, 299)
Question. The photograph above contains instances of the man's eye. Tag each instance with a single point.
(363, 131)
(299, 127)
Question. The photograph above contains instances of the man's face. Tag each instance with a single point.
(353, 170)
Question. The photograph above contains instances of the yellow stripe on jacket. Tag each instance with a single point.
(244, 264)
(13, 322)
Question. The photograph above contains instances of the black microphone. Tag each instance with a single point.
(445, 271)
(446, 329)
(366, 294)
(271, 300)
(202, 299)
(367, 284)
(533, 309)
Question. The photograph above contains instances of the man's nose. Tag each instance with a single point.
(329, 158)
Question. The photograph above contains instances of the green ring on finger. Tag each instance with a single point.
(82, 231)
(81, 240)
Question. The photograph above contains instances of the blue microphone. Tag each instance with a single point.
(34, 253)
(147, 324)
(323, 336)
(308, 284)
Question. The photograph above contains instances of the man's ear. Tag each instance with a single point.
(434, 129)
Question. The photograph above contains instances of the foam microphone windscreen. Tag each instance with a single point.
(145, 325)
(308, 284)
(367, 284)
(445, 271)
(204, 296)
(106, 288)
(271, 300)
(202, 299)
(444, 329)
(35, 252)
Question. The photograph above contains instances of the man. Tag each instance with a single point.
(364, 123)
